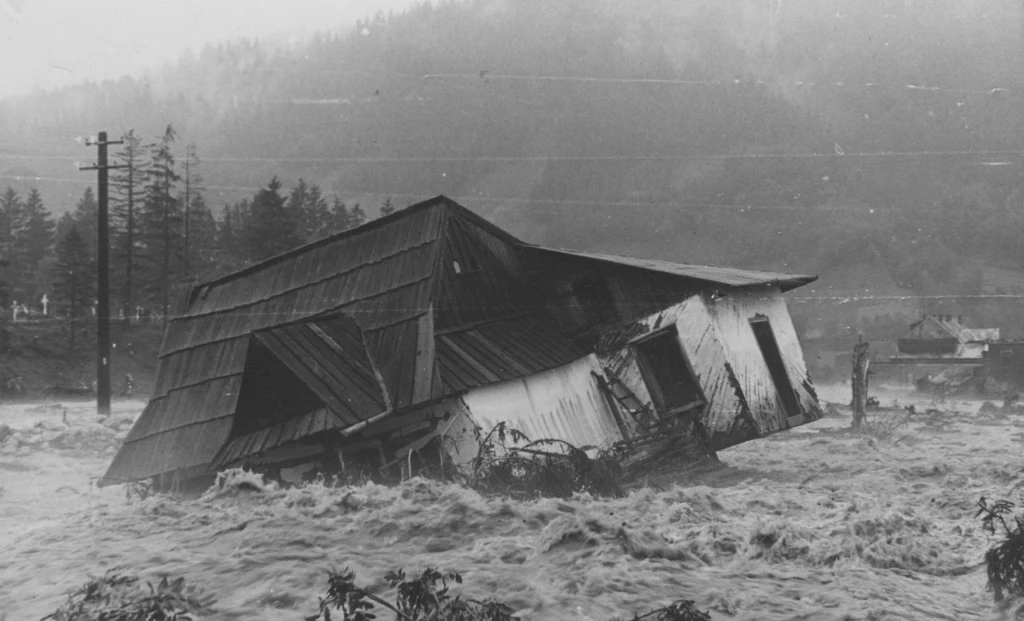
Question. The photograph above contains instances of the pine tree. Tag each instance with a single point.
(387, 207)
(12, 222)
(314, 213)
(126, 190)
(231, 250)
(227, 237)
(86, 218)
(33, 243)
(203, 237)
(192, 189)
(160, 221)
(271, 228)
(343, 218)
(10, 213)
(74, 275)
(339, 216)
(356, 217)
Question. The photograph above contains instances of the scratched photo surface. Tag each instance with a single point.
(676, 309)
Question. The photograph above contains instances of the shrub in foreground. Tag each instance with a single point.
(118, 597)
(427, 597)
(1004, 562)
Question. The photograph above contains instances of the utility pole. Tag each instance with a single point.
(102, 274)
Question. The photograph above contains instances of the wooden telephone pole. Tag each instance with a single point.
(859, 382)
(102, 273)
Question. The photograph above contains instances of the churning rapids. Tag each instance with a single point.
(810, 524)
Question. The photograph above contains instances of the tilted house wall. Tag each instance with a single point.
(743, 401)
(432, 308)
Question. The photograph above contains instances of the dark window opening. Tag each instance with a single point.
(270, 393)
(667, 373)
(776, 367)
(595, 300)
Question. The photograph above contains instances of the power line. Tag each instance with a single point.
(238, 188)
(612, 157)
(664, 205)
(484, 76)
(572, 158)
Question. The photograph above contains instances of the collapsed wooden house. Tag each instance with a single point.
(432, 321)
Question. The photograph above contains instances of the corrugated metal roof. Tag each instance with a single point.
(719, 275)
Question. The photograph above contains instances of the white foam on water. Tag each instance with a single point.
(815, 525)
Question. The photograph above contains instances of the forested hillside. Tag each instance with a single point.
(875, 142)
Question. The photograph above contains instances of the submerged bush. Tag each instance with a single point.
(427, 597)
(118, 597)
(546, 467)
(887, 425)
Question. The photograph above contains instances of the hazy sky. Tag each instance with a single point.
(47, 43)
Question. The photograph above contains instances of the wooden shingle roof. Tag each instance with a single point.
(435, 293)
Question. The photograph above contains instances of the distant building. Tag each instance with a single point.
(947, 337)
(368, 345)
(941, 353)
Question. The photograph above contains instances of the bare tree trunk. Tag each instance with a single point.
(859, 383)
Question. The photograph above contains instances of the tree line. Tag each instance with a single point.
(162, 233)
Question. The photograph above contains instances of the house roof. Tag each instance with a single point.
(379, 274)
(936, 326)
(727, 276)
(422, 331)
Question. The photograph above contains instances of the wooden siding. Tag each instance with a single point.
(564, 403)
(730, 368)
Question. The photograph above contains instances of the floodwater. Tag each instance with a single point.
(809, 524)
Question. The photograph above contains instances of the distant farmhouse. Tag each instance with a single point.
(945, 337)
(365, 347)
(941, 352)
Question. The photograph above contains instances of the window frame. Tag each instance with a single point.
(650, 379)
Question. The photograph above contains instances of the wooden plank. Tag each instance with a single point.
(468, 360)
(295, 363)
(400, 366)
(305, 347)
(424, 363)
(373, 342)
(499, 354)
(362, 397)
(359, 370)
